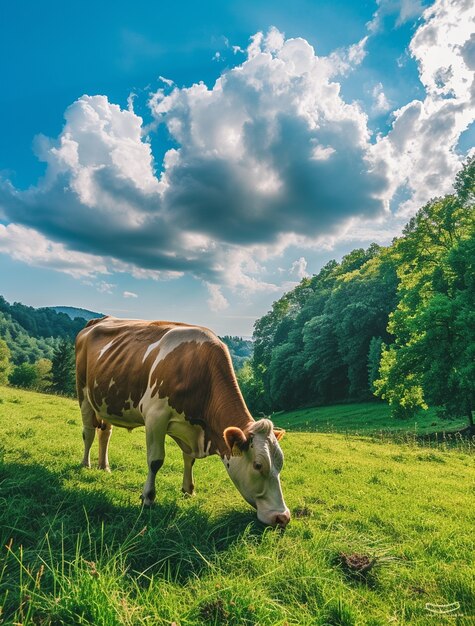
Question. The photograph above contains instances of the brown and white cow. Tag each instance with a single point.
(176, 379)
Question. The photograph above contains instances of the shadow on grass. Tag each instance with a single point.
(56, 523)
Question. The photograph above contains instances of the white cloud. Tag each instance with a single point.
(404, 10)
(167, 81)
(104, 287)
(129, 294)
(270, 156)
(299, 268)
(216, 302)
(30, 247)
(421, 146)
(257, 159)
(380, 102)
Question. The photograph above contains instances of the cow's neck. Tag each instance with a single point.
(227, 408)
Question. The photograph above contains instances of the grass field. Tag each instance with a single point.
(364, 418)
(77, 548)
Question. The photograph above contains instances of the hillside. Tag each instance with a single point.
(43, 322)
(365, 418)
(73, 312)
(32, 334)
(80, 550)
(239, 348)
(23, 347)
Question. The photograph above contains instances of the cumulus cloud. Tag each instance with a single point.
(299, 268)
(380, 102)
(421, 146)
(216, 302)
(260, 156)
(30, 247)
(270, 156)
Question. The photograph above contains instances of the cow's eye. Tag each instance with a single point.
(257, 466)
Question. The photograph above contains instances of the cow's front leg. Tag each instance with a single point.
(155, 431)
(104, 433)
(88, 431)
(188, 486)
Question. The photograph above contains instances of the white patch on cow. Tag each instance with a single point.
(174, 338)
(151, 347)
(261, 489)
(190, 437)
(105, 348)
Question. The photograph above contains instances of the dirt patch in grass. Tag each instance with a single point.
(356, 565)
(214, 612)
(302, 511)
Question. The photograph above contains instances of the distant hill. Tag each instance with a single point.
(239, 348)
(43, 322)
(74, 312)
(32, 333)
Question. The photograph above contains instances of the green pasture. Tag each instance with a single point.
(78, 549)
(365, 418)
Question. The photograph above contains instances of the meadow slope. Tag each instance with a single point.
(365, 418)
(77, 548)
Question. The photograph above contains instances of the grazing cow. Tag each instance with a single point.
(176, 379)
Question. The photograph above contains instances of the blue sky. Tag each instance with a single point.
(193, 161)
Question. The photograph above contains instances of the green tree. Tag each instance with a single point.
(24, 375)
(374, 358)
(43, 368)
(5, 363)
(432, 361)
(252, 389)
(62, 369)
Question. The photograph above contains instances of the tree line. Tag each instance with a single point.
(46, 363)
(42, 322)
(397, 322)
(36, 348)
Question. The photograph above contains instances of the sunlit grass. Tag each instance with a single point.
(77, 548)
(364, 418)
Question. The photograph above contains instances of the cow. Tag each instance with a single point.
(176, 379)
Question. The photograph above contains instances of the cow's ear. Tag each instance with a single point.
(235, 439)
(279, 433)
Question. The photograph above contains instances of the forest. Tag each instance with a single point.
(37, 351)
(394, 322)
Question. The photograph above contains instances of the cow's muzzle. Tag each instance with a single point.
(278, 519)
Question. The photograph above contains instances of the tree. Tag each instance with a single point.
(24, 375)
(5, 363)
(253, 391)
(43, 368)
(433, 358)
(62, 369)
(374, 358)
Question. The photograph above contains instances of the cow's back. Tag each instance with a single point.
(121, 362)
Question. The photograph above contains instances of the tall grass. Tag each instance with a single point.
(77, 547)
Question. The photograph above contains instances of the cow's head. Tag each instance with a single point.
(254, 462)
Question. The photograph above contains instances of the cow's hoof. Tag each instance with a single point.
(86, 465)
(106, 468)
(146, 501)
(188, 494)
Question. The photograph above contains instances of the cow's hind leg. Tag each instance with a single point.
(88, 430)
(104, 433)
(188, 486)
(155, 431)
